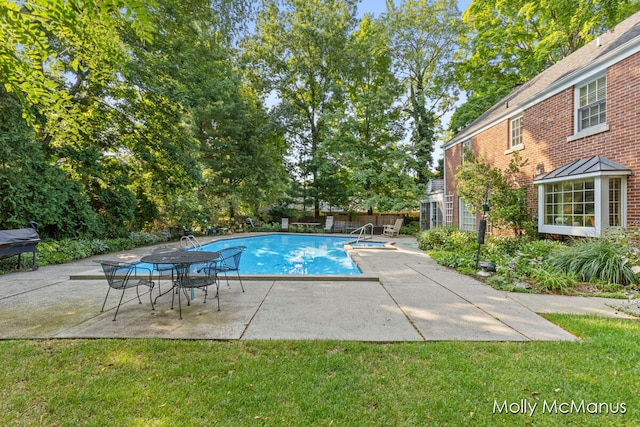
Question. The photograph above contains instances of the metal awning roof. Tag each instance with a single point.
(593, 166)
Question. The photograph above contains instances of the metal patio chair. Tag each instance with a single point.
(230, 261)
(123, 276)
(196, 276)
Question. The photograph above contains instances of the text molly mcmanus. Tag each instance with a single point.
(526, 407)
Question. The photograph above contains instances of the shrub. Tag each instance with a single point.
(269, 227)
(145, 239)
(445, 238)
(595, 260)
(455, 260)
(549, 280)
(519, 256)
(99, 246)
(501, 283)
(411, 228)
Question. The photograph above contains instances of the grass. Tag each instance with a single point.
(302, 383)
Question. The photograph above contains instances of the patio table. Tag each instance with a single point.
(181, 261)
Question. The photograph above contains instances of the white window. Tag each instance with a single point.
(615, 202)
(466, 149)
(467, 219)
(582, 207)
(515, 133)
(570, 203)
(592, 104)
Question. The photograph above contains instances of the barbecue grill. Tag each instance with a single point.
(18, 241)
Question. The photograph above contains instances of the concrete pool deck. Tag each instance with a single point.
(403, 296)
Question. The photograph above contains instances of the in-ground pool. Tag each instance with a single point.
(291, 254)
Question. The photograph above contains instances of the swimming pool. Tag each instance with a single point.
(291, 254)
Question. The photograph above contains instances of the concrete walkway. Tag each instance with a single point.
(403, 296)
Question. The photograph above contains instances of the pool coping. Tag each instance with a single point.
(97, 274)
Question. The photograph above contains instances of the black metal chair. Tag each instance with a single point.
(230, 261)
(123, 276)
(196, 277)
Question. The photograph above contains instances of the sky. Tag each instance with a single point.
(379, 6)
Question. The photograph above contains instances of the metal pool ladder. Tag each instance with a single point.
(362, 231)
(189, 242)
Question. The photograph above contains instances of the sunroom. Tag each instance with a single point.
(583, 198)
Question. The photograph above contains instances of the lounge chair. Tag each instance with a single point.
(328, 225)
(393, 230)
(284, 225)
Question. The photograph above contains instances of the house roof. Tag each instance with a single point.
(595, 165)
(616, 44)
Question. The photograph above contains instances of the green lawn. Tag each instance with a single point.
(309, 383)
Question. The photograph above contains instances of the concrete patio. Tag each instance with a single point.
(402, 296)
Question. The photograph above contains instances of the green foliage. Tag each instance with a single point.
(43, 40)
(66, 250)
(31, 189)
(551, 281)
(515, 257)
(299, 52)
(422, 37)
(549, 266)
(268, 227)
(466, 262)
(411, 228)
(146, 239)
(508, 43)
(501, 283)
(61, 251)
(277, 212)
(475, 106)
(446, 238)
(508, 199)
(363, 165)
(594, 260)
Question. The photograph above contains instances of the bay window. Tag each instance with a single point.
(583, 198)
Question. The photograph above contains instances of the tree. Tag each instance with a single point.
(509, 207)
(56, 59)
(297, 55)
(423, 38)
(363, 146)
(511, 42)
(32, 64)
(33, 190)
(243, 154)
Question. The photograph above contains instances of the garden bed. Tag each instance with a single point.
(595, 267)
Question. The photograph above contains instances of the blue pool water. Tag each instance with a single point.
(291, 254)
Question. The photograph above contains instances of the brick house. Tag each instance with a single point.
(578, 124)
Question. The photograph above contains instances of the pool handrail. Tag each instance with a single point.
(189, 241)
(362, 231)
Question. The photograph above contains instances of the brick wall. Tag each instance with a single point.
(547, 125)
